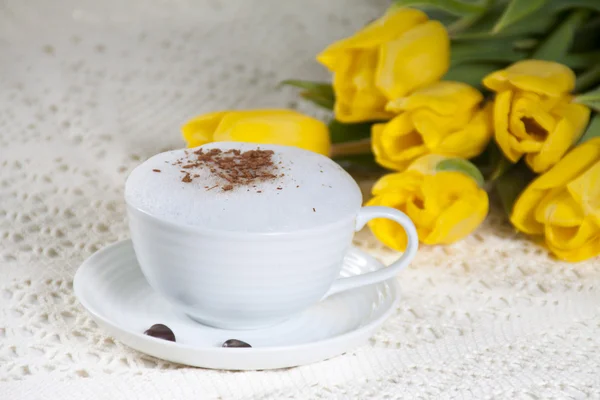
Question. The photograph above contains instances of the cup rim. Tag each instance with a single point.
(222, 232)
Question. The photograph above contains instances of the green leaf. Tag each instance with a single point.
(593, 130)
(536, 24)
(499, 163)
(581, 60)
(462, 23)
(341, 132)
(510, 185)
(455, 7)
(515, 11)
(558, 43)
(360, 163)
(309, 85)
(492, 162)
(590, 99)
(485, 50)
(588, 79)
(561, 5)
(471, 73)
(319, 99)
(469, 20)
(463, 166)
(436, 14)
(525, 44)
(586, 37)
(319, 93)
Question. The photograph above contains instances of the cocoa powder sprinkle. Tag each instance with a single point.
(156, 170)
(234, 167)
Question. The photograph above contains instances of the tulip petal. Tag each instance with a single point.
(462, 206)
(502, 135)
(434, 127)
(423, 218)
(396, 143)
(528, 120)
(445, 206)
(402, 182)
(542, 123)
(459, 220)
(585, 189)
(578, 116)
(523, 213)
(574, 245)
(568, 130)
(544, 77)
(357, 98)
(344, 89)
(588, 250)
(471, 140)
(283, 127)
(531, 121)
(427, 164)
(559, 208)
(531, 147)
(387, 231)
(579, 160)
(389, 26)
(571, 238)
(497, 81)
(573, 164)
(199, 130)
(415, 59)
(435, 190)
(444, 98)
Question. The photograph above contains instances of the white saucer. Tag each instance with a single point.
(112, 288)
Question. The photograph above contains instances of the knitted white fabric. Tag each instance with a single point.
(89, 89)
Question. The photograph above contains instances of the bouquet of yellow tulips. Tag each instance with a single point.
(456, 99)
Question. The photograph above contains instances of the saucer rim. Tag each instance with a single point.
(110, 325)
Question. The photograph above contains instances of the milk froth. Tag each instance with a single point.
(307, 190)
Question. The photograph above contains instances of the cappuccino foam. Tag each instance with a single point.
(301, 190)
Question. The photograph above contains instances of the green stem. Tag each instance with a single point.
(588, 79)
(362, 146)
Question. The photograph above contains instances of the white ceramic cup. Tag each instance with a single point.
(239, 280)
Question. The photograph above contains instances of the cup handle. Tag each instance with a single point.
(364, 215)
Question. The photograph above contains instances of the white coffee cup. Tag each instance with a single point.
(246, 280)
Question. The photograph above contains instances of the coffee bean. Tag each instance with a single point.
(235, 343)
(161, 331)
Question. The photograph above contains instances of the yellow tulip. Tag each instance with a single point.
(563, 205)
(392, 56)
(445, 206)
(443, 118)
(283, 127)
(533, 112)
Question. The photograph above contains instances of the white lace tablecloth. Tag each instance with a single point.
(88, 89)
